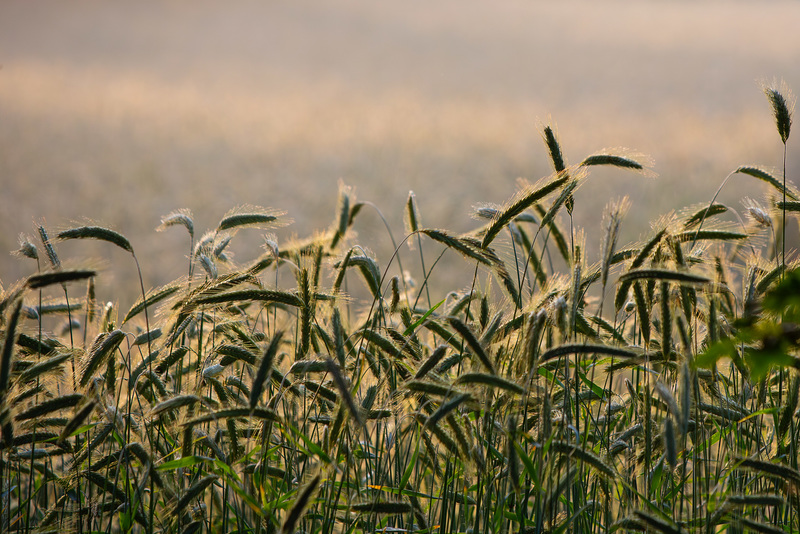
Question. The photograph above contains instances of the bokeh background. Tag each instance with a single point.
(124, 111)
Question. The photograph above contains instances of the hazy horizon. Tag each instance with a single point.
(122, 113)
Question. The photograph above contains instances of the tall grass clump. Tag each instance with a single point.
(316, 389)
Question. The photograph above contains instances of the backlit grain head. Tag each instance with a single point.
(181, 217)
(26, 248)
(756, 213)
(782, 102)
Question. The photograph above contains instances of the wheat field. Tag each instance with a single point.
(224, 311)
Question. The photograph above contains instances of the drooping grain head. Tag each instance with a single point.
(181, 217)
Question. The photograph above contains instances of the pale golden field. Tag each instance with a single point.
(122, 113)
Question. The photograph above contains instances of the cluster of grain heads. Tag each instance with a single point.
(263, 398)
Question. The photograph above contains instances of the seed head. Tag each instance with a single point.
(26, 248)
(757, 213)
(782, 101)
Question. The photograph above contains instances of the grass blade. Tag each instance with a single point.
(300, 505)
(8, 350)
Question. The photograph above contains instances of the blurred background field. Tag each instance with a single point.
(123, 112)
